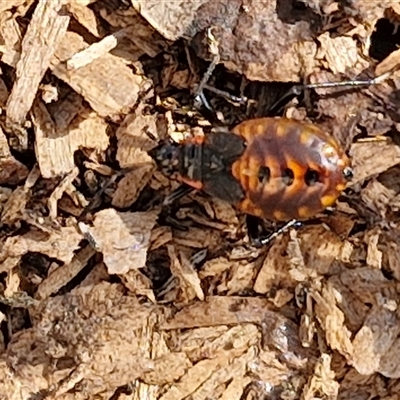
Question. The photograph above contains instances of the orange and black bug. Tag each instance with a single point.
(273, 168)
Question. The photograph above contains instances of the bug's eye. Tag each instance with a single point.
(287, 176)
(264, 174)
(311, 177)
(348, 173)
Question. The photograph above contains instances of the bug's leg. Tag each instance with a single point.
(177, 194)
(258, 242)
(199, 96)
(213, 47)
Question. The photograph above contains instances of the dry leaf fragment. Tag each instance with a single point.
(123, 238)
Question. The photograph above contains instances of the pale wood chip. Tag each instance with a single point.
(277, 330)
(317, 246)
(45, 32)
(183, 269)
(85, 16)
(224, 211)
(63, 274)
(391, 62)
(377, 197)
(372, 158)
(108, 71)
(241, 279)
(12, 284)
(139, 284)
(322, 382)
(101, 333)
(370, 282)
(200, 373)
(55, 148)
(123, 238)
(137, 132)
(10, 33)
(59, 191)
(236, 387)
(221, 377)
(389, 362)
(220, 310)
(15, 207)
(374, 255)
(374, 339)
(274, 270)
(9, 263)
(354, 309)
(197, 238)
(332, 320)
(59, 244)
(160, 236)
(132, 184)
(9, 4)
(391, 252)
(340, 54)
(94, 51)
(269, 368)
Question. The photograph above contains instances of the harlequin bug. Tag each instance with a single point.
(274, 168)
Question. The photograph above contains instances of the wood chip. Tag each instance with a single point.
(123, 238)
(45, 32)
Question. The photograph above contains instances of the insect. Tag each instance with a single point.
(274, 168)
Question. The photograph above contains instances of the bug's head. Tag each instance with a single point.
(338, 172)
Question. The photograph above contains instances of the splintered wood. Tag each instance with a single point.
(107, 291)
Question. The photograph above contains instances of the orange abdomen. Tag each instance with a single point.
(289, 169)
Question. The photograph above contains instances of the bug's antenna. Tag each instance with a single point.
(296, 90)
(350, 83)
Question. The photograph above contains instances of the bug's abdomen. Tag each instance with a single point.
(289, 169)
